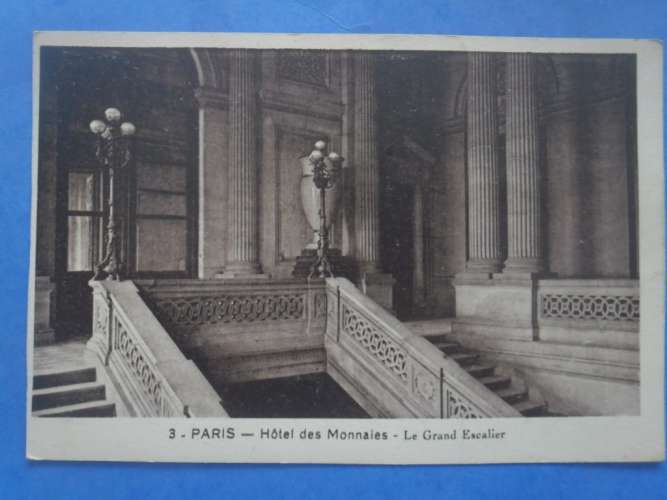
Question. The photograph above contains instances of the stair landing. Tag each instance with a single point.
(68, 355)
(65, 384)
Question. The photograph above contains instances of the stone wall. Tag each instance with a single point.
(300, 101)
(588, 163)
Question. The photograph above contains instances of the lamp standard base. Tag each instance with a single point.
(341, 265)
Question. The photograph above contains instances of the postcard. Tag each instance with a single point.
(346, 249)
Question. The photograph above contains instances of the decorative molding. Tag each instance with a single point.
(426, 386)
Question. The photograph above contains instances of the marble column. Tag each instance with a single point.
(524, 237)
(366, 179)
(484, 235)
(367, 182)
(242, 206)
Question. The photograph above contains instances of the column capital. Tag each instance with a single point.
(211, 97)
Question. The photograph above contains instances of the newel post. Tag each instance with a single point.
(101, 342)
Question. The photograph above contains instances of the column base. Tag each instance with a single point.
(341, 265)
(242, 270)
(481, 269)
(530, 267)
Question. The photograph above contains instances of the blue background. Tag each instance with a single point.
(22, 479)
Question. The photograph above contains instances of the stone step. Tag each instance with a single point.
(437, 337)
(512, 395)
(430, 327)
(483, 372)
(494, 382)
(64, 395)
(530, 408)
(102, 408)
(448, 347)
(46, 379)
(464, 358)
(479, 370)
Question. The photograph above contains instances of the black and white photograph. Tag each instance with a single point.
(383, 234)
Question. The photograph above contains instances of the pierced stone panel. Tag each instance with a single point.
(457, 407)
(596, 307)
(382, 348)
(135, 361)
(194, 311)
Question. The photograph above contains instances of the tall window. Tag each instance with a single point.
(84, 220)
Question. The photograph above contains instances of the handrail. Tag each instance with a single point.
(150, 371)
(428, 382)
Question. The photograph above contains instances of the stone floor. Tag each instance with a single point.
(61, 356)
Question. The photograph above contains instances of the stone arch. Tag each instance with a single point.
(461, 96)
(205, 67)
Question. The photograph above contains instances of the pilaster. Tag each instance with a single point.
(212, 116)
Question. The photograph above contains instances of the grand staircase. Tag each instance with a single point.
(70, 393)
(514, 393)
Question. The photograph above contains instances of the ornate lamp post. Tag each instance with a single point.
(113, 153)
(325, 173)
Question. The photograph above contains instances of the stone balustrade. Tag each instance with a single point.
(151, 374)
(391, 371)
(598, 311)
(240, 330)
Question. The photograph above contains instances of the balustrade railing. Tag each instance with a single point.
(589, 300)
(601, 312)
(188, 305)
(414, 371)
(148, 369)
